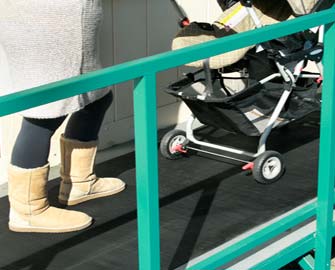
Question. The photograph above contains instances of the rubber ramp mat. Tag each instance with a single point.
(204, 202)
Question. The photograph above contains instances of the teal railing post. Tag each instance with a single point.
(147, 172)
(326, 172)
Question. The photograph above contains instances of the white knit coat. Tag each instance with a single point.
(49, 40)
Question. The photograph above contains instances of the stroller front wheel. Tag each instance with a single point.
(268, 167)
(172, 144)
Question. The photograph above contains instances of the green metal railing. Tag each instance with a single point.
(144, 71)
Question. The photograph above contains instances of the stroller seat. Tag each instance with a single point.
(233, 20)
(197, 33)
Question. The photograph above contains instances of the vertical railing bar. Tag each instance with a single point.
(326, 173)
(145, 117)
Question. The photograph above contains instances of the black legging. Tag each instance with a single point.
(32, 146)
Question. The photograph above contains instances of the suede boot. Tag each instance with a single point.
(79, 183)
(29, 207)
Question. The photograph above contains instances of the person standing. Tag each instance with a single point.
(46, 41)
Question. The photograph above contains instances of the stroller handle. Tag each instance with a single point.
(230, 3)
(183, 19)
(246, 3)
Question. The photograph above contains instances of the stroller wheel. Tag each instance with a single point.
(172, 144)
(268, 167)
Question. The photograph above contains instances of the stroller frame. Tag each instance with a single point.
(267, 166)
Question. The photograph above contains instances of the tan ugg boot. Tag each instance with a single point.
(29, 207)
(79, 183)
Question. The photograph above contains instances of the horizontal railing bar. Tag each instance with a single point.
(286, 256)
(152, 64)
(290, 253)
(260, 237)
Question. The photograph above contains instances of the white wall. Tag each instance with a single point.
(131, 30)
(201, 11)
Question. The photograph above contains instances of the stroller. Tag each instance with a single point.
(278, 92)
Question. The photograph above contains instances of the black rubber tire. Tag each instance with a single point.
(265, 172)
(173, 136)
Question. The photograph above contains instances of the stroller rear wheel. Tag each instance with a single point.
(173, 143)
(268, 167)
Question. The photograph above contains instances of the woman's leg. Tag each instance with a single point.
(85, 124)
(27, 179)
(78, 150)
(32, 146)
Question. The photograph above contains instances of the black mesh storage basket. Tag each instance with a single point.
(248, 111)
